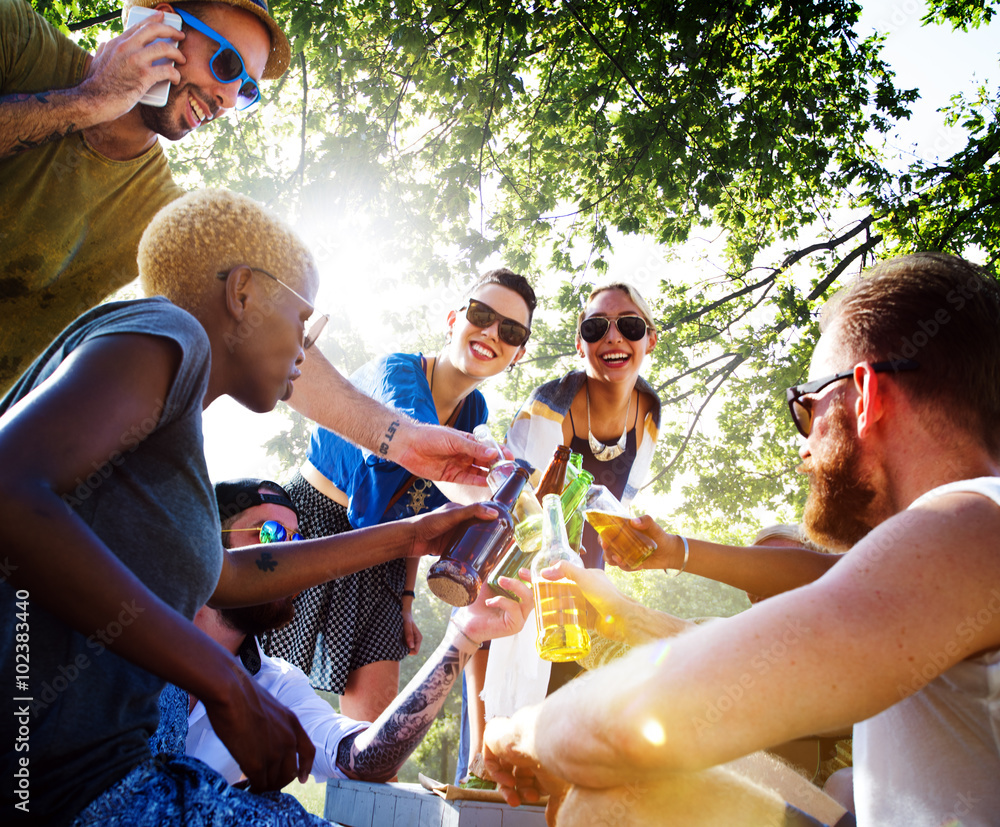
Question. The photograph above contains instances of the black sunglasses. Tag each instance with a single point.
(801, 409)
(482, 316)
(596, 328)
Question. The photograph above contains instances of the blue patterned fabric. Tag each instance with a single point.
(170, 790)
(174, 789)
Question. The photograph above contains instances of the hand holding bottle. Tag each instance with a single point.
(614, 527)
(459, 575)
(668, 552)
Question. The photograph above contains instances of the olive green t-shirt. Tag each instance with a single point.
(70, 219)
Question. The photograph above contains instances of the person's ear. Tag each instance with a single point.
(868, 408)
(239, 289)
(517, 358)
(579, 346)
(652, 340)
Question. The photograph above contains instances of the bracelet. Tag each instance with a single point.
(687, 554)
(409, 593)
(463, 634)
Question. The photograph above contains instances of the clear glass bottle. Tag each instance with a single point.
(613, 522)
(528, 532)
(503, 467)
(459, 574)
(559, 606)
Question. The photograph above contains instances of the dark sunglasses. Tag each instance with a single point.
(596, 328)
(227, 63)
(801, 409)
(270, 532)
(482, 316)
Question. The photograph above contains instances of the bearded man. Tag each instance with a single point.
(901, 638)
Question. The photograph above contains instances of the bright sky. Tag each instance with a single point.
(935, 60)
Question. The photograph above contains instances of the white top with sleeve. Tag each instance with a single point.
(933, 759)
(324, 726)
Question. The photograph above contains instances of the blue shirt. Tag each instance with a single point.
(398, 381)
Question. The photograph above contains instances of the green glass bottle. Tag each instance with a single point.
(575, 520)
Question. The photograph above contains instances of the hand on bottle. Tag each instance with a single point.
(493, 615)
(669, 552)
(433, 532)
(122, 69)
(607, 607)
(265, 738)
(439, 453)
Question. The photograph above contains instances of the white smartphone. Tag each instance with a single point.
(156, 95)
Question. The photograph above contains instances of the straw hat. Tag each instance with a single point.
(277, 61)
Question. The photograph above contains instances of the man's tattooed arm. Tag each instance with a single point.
(29, 120)
(377, 753)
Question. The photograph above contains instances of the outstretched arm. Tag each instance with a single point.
(377, 753)
(814, 659)
(763, 571)
(258, 574)
(118, 75)
(435, 452)
(616, 615)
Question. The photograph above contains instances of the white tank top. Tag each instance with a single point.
(933, 759)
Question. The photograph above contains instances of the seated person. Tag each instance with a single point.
(900, 638)
(254, 511)
(107, 514)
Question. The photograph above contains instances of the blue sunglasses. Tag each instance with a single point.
(226, 64)
(271, 531)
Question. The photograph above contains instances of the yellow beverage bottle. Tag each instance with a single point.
(617, 532)
(559, 606)
(528, 532)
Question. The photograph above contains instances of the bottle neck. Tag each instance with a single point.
(508, 493)
(554, 478)
(576, 491)
(553, 525)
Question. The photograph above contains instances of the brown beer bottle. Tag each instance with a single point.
(459, 575)
(553, 480)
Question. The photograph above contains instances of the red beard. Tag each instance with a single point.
(839, 511)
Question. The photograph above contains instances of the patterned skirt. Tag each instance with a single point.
(344, 624)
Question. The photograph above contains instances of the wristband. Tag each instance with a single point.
(409, 593)
(458, 642)
(687, 554)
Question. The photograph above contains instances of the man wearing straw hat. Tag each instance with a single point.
(81, 167)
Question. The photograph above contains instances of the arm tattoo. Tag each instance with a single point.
(22, 143)
(383, 448)
(266, 562)
(388, 742)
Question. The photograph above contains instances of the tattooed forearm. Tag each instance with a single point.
(387, 437)
(27, 120)
(377, 753)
